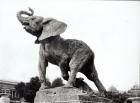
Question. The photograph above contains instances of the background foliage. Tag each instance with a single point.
(28, 90)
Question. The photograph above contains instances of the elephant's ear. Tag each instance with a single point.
(52, 27)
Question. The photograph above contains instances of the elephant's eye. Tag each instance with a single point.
(32, 18)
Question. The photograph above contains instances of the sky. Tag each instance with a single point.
(110, 28)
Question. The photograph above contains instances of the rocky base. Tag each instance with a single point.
(67, 95)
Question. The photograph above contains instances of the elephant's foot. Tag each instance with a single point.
(43, 86)
(68, 85)
(92, 94)
(103, 94)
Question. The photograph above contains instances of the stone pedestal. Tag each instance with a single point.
(66, 95)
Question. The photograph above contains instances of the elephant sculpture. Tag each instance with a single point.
(69, 54)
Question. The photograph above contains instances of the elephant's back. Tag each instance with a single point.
(73, 45)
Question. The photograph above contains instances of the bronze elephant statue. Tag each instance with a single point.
(69, 54)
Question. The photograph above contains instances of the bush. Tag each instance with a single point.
(57, 83)
(48, 83)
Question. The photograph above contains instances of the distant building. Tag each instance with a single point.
(135, 91)
(8, 88)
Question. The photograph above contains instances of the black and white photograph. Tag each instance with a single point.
(69, 51)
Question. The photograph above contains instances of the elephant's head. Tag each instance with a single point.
(40, 27)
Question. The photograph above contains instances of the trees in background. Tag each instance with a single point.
(28, 90)
(48, 83)
(20, 89)
(116, 96)
(31, 88)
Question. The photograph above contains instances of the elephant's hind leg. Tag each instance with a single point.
(93, 76)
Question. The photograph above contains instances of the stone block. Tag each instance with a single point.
(67, 95)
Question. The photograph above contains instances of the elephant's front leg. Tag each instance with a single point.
(73, 72)
(42, 71)
(64, 71)
(72, 79)
(64, 67)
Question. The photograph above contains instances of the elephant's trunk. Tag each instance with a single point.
(24, 19)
